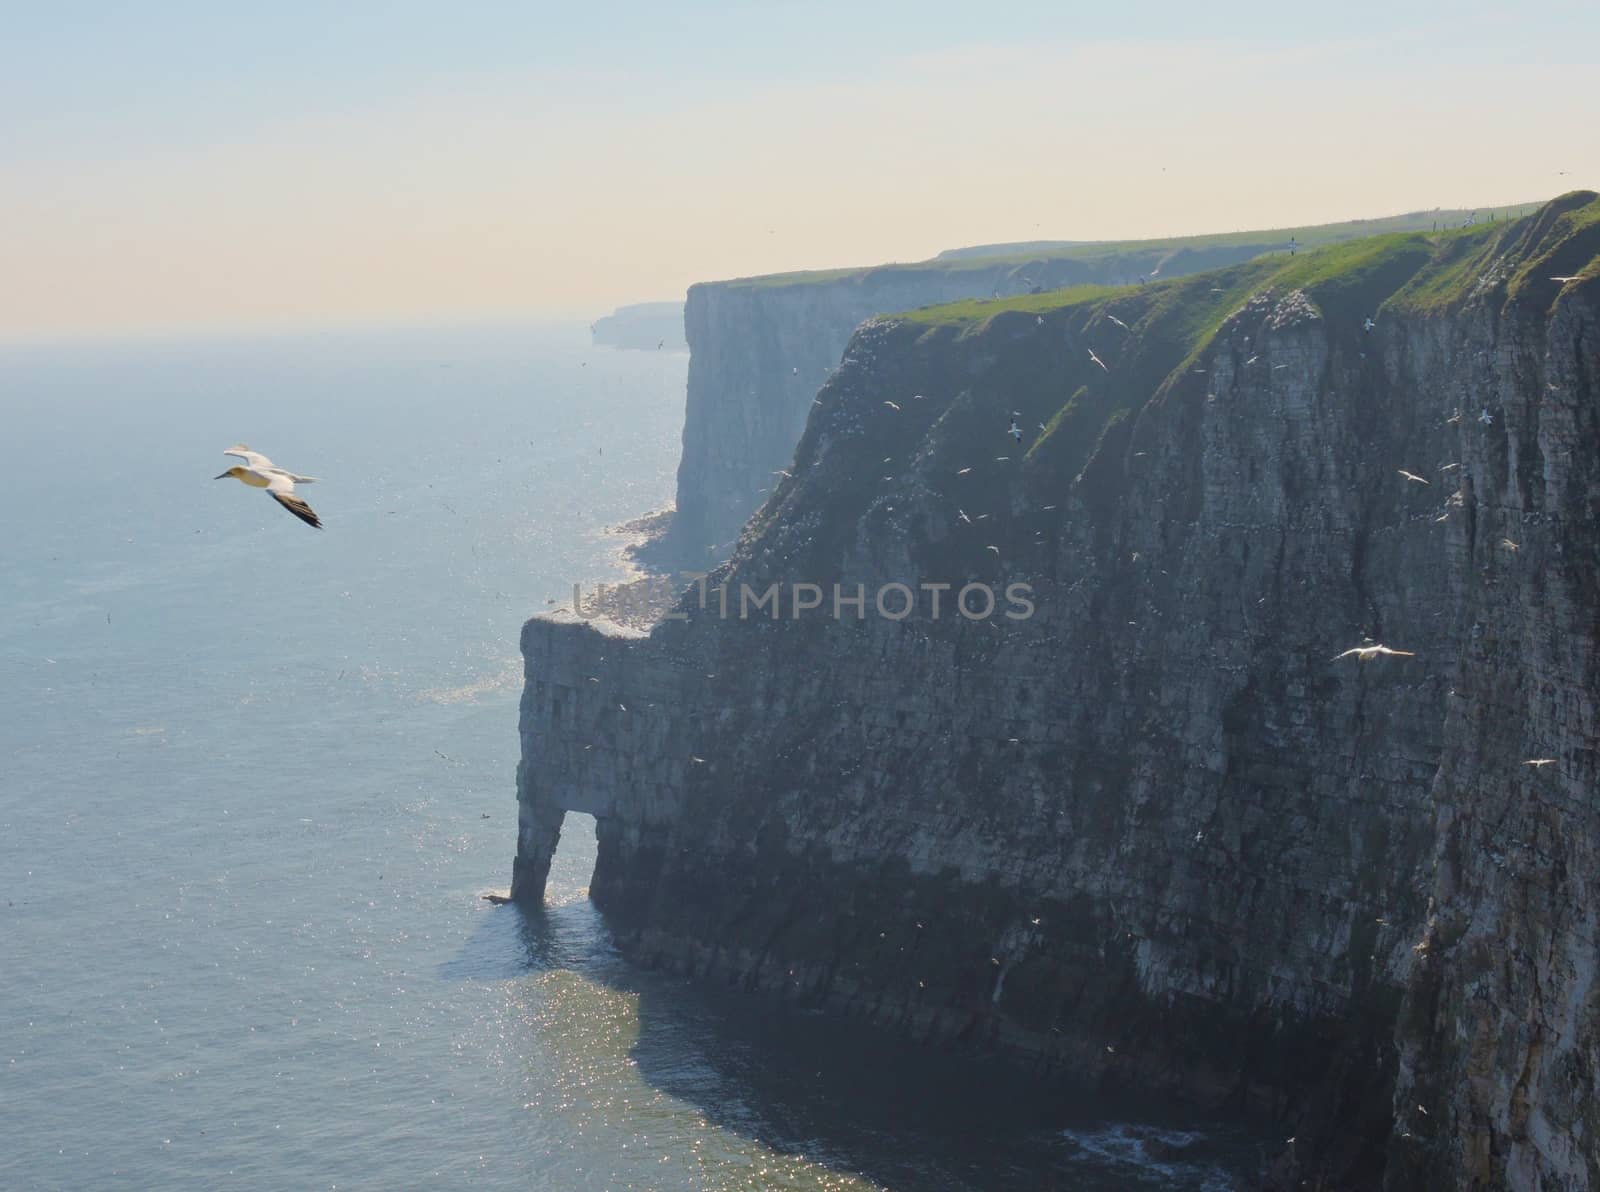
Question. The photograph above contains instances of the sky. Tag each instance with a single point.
(181, 166)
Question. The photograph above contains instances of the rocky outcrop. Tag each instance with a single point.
(762, 347)
(1158, 832)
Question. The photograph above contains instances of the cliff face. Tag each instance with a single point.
(762, 347)
(1156, 832)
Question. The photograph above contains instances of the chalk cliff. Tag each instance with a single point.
(1157, 833)
(762, 347)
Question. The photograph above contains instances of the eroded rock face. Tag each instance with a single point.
(1157, 832)
(760, 349)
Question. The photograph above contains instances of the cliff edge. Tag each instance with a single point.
(1157, 831)
(761, 347)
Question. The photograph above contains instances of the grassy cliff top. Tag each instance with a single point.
(1268, 239)
(1414, 270)
(1044, 352)
(1090, 373)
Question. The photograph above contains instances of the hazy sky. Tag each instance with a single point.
(196, 165)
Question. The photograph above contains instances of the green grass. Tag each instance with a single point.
(1267, 239)
(1175, 322)
(1352, 277)
(1570, 249)
(1075, 411)
(1458, 263)
(1561, 239)
(974, 310)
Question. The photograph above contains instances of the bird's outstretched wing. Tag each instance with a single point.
(281, 490)
(252, 458)
(297, 507)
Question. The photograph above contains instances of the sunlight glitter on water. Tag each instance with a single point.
(248, 831)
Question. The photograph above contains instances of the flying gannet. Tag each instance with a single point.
(891, 405)
(1368, 653)
(1565, 280)
(1412, 476)
(260, 472)
(1537, 762)
(1097, 360)
(1368, 325)
(1116, 320)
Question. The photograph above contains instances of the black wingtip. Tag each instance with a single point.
(300, 509)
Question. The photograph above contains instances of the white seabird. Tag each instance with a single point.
(1097, 360)
(260, 472)
(1368, 653)
(1412, 476)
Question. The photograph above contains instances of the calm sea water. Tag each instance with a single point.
(253, 780)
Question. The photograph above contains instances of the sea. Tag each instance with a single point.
(255, 779)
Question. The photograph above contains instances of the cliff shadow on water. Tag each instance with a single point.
(1283, 800)
(838, 1095)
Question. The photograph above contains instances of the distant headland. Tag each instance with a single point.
(643, 325)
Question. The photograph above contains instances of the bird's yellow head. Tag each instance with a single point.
(243, 474)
